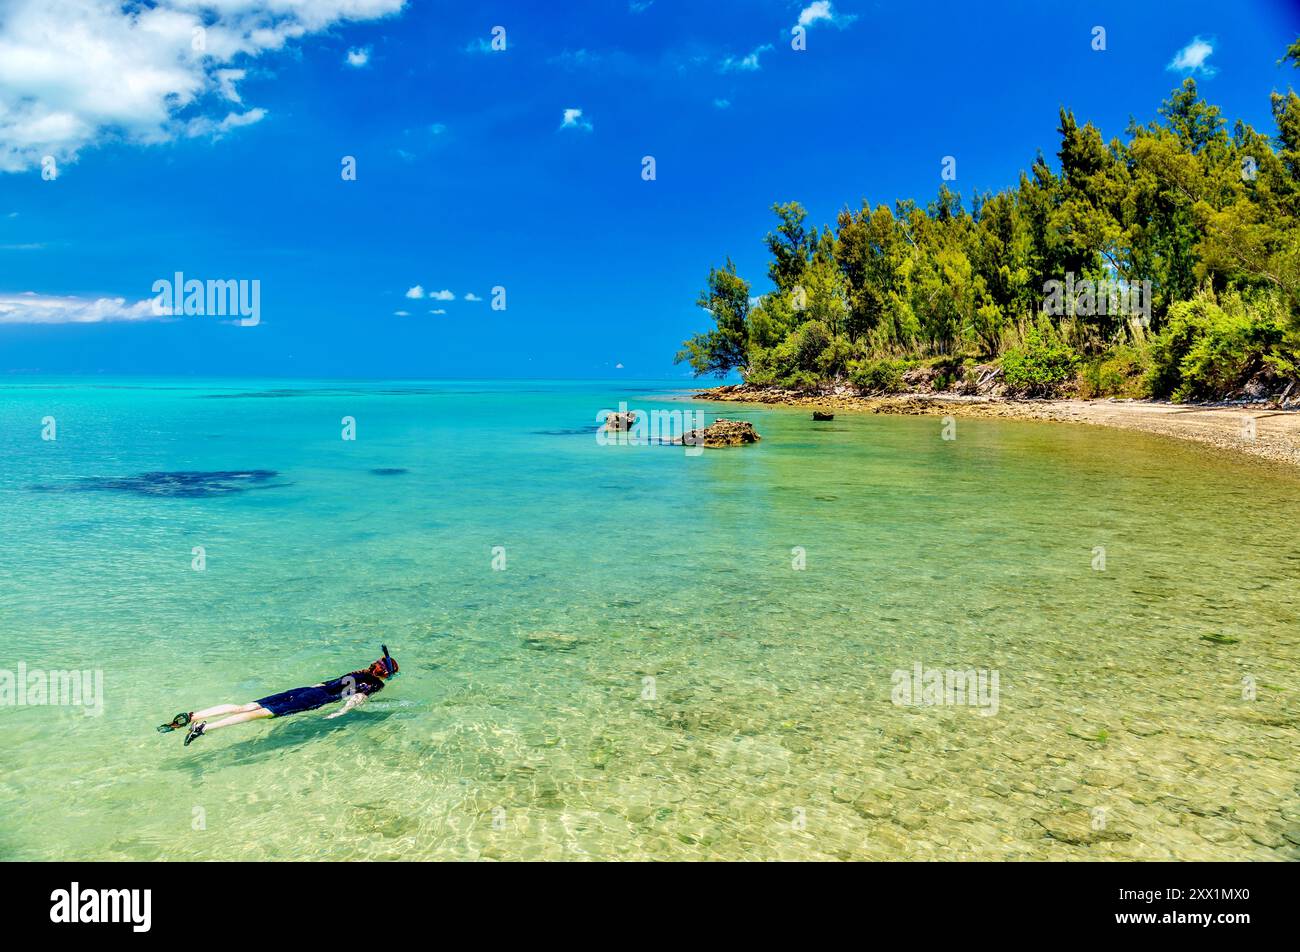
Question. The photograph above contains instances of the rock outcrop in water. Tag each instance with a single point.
(823, 415)
(620, 422)
(723, 432)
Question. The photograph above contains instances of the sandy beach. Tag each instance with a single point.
(1275, 434)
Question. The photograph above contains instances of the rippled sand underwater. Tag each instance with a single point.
(650, 676)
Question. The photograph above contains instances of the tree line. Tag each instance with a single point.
(1163, 264)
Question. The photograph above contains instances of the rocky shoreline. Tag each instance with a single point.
(1273, 435)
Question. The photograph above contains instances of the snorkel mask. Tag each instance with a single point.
(389, 663)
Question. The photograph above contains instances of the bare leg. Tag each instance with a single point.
(225, 709)
(256, 713)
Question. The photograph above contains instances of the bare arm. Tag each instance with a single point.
(356, 700)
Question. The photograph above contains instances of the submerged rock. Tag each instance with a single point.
(178, 484)
(1219, 639)
(723, 432)
(551, 641)
(823, 415)
(1079, 828)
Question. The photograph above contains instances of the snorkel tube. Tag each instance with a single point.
(389, 663)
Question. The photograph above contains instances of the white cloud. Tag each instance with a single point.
(438, 311)
(639, 6)
(1192, 58)
(471, 296)
(443, 295)
(573, 120)
(823, 11)
(75, 73)
(744, 64)
(415, 293)
(358, 56)
(32, 308)
(401, 313)
(204, 126)
(226, 79)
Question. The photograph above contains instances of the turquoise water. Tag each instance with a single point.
(649, 675)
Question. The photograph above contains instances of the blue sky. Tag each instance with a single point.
(225, 163)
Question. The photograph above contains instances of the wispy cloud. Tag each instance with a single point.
(226, 80)
(639, 6)
(744, 64)
(206, 126)
(573, 120)
(32, 308)
(722, 103)
(471, 296)
(575, 59)
(823, 11)
(438, 311)
(1191, 59)
(74, 73)
(358, 57)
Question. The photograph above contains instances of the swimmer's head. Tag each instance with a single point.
(386, 667)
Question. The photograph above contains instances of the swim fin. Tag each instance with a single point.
(180, 720)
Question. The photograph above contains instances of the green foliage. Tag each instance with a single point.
(725, 348)
(1120, 372)
(1184, 203)
(791, 246)
(1212, 347)
(879, 376)
(1041, 363)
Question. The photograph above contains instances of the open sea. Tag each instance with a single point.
(633, 652)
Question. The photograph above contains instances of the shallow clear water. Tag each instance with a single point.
(524, 726)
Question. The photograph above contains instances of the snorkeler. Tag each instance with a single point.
(352, 688)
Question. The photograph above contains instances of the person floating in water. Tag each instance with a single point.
(352, 688)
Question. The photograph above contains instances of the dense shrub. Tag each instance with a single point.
(810, 356)
(1120, 372)
(1210, 347)
(878, 376)
(1040, 364)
